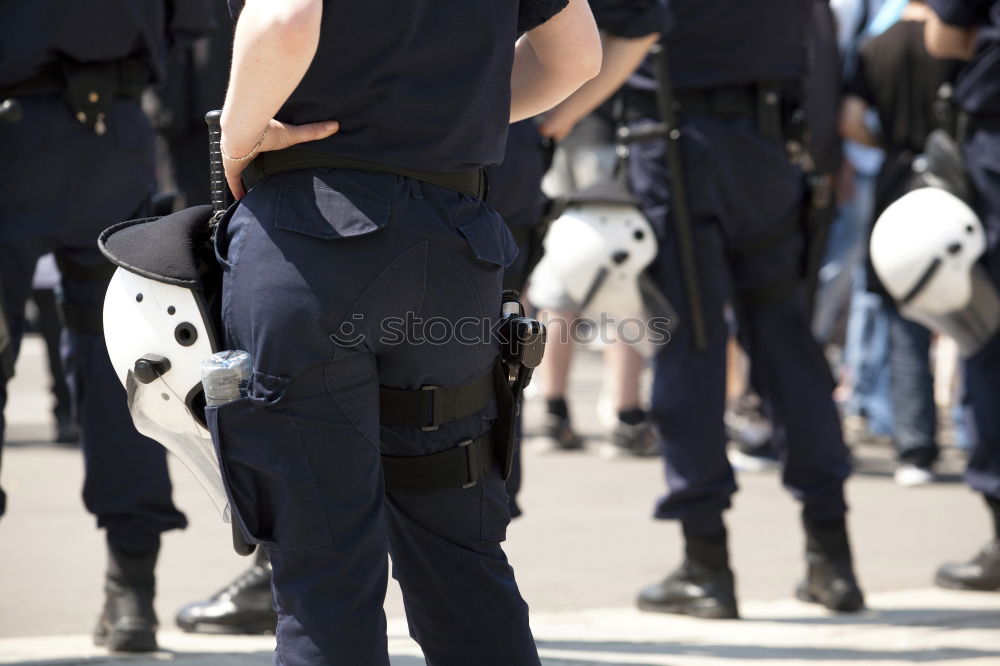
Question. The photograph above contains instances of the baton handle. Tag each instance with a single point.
(221, 197)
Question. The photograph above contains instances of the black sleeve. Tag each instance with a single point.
(533, 13)
(631, 18)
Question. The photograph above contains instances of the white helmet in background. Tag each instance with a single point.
(925, 248)
(595, 253)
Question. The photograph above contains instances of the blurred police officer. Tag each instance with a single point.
(735, 72)
(970, 30)
(81, 157)
(382, 218)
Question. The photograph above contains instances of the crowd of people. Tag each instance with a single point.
(716, 165)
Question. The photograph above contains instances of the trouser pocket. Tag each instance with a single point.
(267, 475)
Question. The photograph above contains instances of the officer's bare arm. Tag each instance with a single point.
(274, 45)
(852, 122)
(622, 55)
(553, 60)
(949, 41)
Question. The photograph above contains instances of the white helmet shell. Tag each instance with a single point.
(594, 254)
(924, 248)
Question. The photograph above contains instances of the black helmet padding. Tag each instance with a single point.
(169, 249)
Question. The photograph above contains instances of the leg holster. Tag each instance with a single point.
(522, 342)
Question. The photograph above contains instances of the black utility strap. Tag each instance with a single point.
(429, 407)
(462, 466)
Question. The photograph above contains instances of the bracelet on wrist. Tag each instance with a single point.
(253, 151)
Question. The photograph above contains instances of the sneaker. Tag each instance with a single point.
(559, 434)
(631, 441)
(909, 476)
(745, 458)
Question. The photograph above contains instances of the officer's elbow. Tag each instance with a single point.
(947, 41)
(585, 66)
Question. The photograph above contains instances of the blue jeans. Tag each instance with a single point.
(914, 411)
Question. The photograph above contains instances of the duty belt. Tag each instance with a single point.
(471, 183)
(87, 87)
(765, 101)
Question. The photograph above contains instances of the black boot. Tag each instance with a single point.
(830, 579)
(128, 622)
(703, 585)
(983, 571)
(242, 607)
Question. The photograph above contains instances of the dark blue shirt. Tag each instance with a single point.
(421, 84)
(715, 43)
(978, 87)
(38, 33)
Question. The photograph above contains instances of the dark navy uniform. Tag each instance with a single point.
(323, 270)
(977, 93)
(61, 182)
(745, 198)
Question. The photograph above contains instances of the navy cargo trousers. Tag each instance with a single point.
(60, 186)
(338, 282)
(744, 197)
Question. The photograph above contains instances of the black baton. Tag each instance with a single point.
(221, 199)
(221, 196)
(665, 104)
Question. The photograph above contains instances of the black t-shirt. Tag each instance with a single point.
(715, 43)
(37, 33)
(631, 18)
(978, 88)
(421, 84)
(900, 80)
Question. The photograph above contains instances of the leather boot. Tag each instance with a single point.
(128, 622)
(983, 571)
(244, 606)
(830, 579)
(703, 586)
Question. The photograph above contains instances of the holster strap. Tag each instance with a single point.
(470, 183)
(462, 467)
(427, 408)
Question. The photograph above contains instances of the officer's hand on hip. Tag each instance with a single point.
(276, 136)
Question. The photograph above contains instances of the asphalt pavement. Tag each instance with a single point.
(584, 547)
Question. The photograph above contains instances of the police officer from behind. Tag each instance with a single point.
(377, 221)
(81, 157)
(731, 232)
(970, 30)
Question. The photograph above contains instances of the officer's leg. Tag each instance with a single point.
(462, 601)
(126, 483)
(792, 376)
(17, 262)
(982, 379)
(687, 408)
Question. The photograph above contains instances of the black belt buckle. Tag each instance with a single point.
(769, 110)
(432, 418)
(469, 469)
